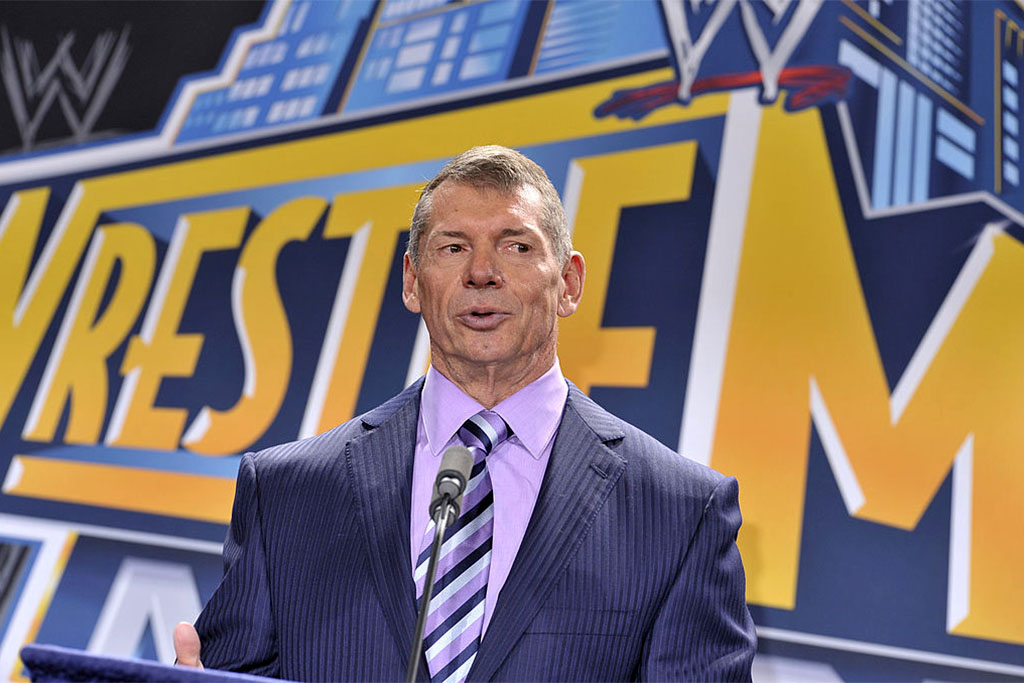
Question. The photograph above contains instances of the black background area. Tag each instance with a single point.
(167, 40)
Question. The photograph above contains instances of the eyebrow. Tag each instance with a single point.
(506, 232)
(513, 232)
(448, 233)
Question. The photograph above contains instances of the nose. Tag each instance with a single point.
(483, 270)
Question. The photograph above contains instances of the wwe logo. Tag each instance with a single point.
(80, 93)
(689, 54)
(807, 85)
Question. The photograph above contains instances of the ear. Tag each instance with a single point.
(574, 273)
(410, 297)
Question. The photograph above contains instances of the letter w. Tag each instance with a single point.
(28, 302)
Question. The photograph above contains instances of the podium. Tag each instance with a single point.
(53, 663)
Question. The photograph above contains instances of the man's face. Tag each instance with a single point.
(488, 283)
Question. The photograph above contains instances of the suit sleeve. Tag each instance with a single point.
(236, 628)
(703, 631)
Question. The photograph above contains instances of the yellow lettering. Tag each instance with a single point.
(263, 332)
(28, 302)
(77, 368)
(590, 354)
(159, 351)
(373, 220)
(801, 343)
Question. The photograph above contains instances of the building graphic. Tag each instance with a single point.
(294, 77)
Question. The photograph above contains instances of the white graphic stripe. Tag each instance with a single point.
(842, 469)
(958, 598)
(902, 653)
(721, 270)
(335, 330)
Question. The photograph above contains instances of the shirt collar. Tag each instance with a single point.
(533, 412)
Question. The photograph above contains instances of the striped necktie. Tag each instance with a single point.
(456, 616)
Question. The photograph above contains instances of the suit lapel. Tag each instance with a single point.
(380, 465)
(580, 475)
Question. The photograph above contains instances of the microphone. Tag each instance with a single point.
(452, 477)
(445, 504)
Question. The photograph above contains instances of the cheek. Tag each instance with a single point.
(541, 310)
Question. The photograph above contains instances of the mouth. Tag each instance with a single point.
(482, 319)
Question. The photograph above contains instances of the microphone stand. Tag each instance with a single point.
(447, 509)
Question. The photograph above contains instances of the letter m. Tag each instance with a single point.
(801, 346)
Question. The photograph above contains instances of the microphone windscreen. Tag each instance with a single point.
(452, 477)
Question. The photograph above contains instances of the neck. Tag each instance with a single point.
(491, 383)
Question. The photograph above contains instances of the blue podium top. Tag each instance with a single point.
(53, 663)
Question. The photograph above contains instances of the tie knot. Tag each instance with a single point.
(485, 431)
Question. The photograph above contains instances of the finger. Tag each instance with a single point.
(186, 645)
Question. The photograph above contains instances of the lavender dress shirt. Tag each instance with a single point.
(516, 466)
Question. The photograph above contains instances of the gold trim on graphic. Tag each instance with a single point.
(875, 23)
(440, 9)
(912, 70)
(540, 37)
(370, 33)
(997, 111)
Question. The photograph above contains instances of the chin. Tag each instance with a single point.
(488, 358)
(487, 354)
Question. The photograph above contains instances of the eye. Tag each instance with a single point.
(452, 248)
(521, 248)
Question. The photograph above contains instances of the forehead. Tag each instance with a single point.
(463, 206)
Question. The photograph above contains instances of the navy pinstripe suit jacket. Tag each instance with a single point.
(628, 570)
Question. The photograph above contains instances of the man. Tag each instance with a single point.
(591, 551)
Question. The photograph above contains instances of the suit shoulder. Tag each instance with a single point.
(651, 458)
(326, 444)
(325, 448)
(646, 457)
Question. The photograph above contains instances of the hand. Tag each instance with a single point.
(186, 645)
